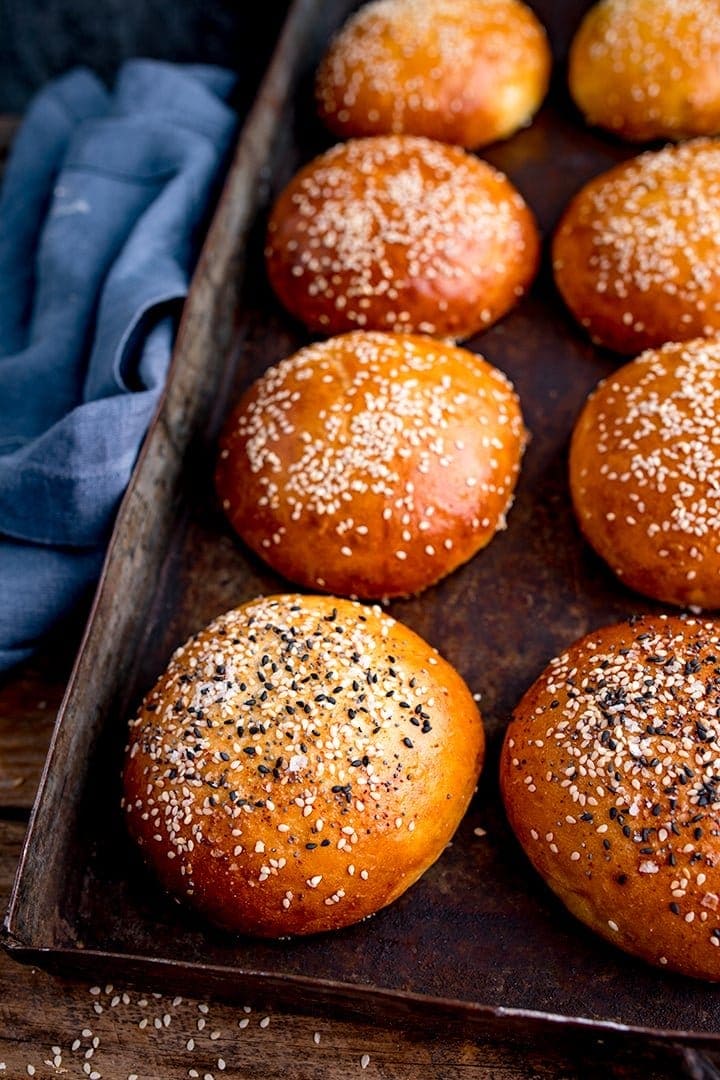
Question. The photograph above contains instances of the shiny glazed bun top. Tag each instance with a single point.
(301, 763)
(649, 69)
(645, 473)
(611, 778)
(400, 233)
(461, 71)
(637, 252)
(372, 464)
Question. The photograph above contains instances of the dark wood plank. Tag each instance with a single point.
(30, 697)
(39, 1012)
(29, 700)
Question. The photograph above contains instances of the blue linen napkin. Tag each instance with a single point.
(100, 211)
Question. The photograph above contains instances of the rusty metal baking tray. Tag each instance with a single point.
(479, 938)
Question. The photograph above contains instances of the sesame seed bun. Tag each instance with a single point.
(302, 761)
(461, 71)
(645, 473)
(637, 252)
(372, 464)
(400, 233)
(609, 774)
(649, 69)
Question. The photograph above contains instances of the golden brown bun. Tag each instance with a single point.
(400, 233)
(300, 764)
(637, 252)
(645, 473)
(609, 774)
(649, 69)
(372, 464)
(461, 71)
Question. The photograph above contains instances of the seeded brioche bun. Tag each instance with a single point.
(372, 464)
(400, 233)
(649, 69)
(461, 71)
(637, 252)
(645, 473)
(609, 774)
(302, 761)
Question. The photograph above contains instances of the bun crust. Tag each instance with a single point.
(637, 252)
(460, 71)
(609, 776)
(302, 761)
(372, 464)
(645, 473)
(649, 69)
(400, 233)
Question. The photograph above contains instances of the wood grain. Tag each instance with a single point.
(29, 700)
(30, 697)
(39, 1012)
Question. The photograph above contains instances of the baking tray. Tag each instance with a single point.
(479, 938)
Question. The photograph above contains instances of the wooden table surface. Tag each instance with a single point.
(50, 1026)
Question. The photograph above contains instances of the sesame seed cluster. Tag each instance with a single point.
(400, 233)
(294, 769)
(645, 473)
(469, 73)
(637, 253)
(611, 774)
(372, 464)
(649, 68)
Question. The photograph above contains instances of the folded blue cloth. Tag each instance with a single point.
(100, 211)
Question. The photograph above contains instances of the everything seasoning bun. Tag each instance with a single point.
(461, 71)
(400, 233)
(610, 773)
(302, 761)
(637, 252)
(645, 473)
(372, 464)
(649, 69)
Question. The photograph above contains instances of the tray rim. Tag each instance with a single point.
(337, 996)
(366, 1000)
